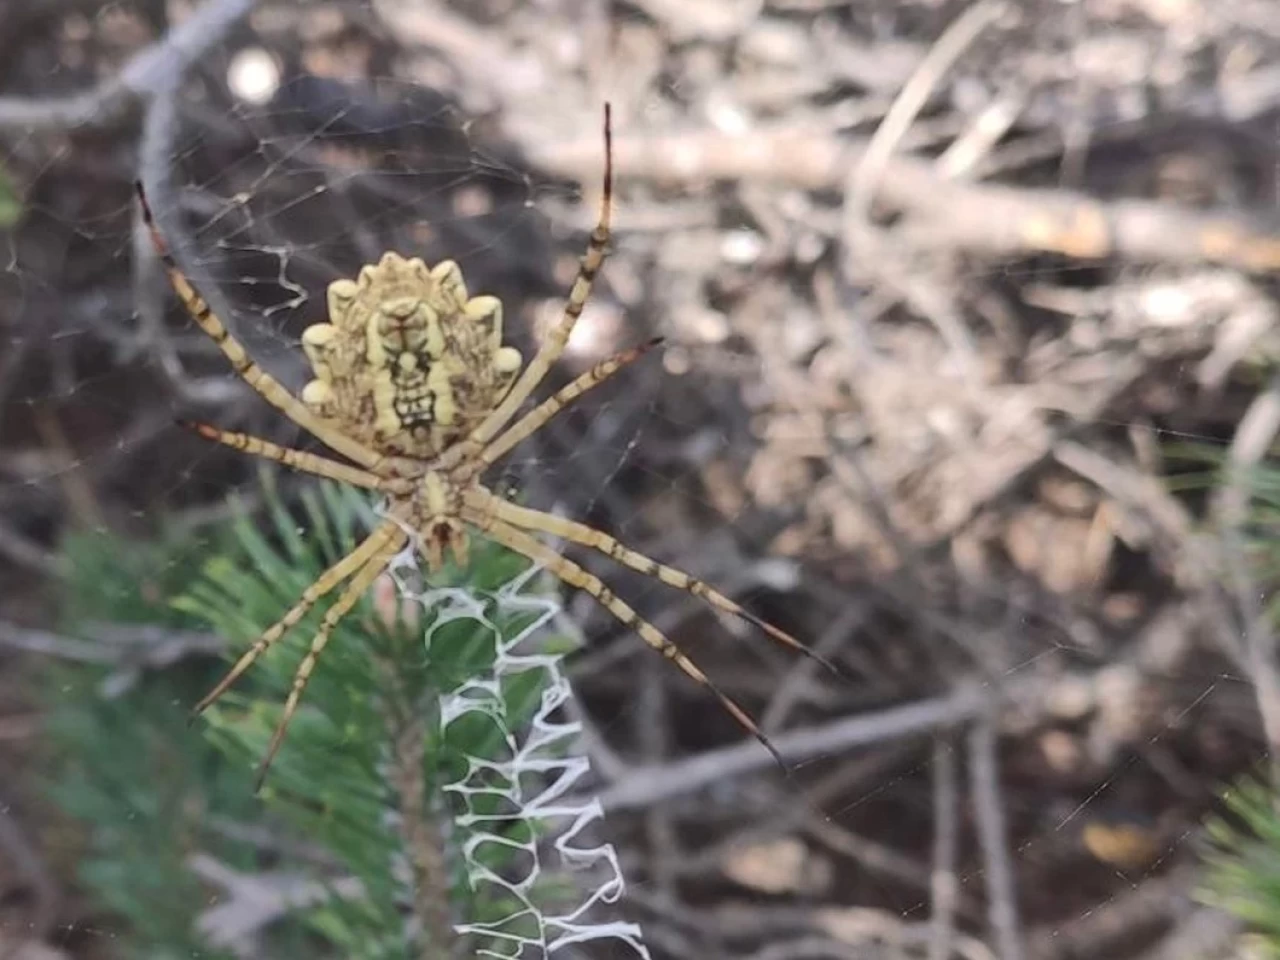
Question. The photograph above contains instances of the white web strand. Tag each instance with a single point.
(528, 784)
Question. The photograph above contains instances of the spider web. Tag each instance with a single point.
(749, 454)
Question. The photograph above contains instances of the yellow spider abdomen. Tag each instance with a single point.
(409, 362)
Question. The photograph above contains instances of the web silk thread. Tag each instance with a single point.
(542, 826)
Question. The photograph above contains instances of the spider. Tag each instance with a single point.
(414, 386)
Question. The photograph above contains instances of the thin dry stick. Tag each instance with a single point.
(863, 245)
(1196, 565)
(52, 644)
(944, 884)
(800, 678)
(987, 219)
(1200, 935)
(469, 48)
(1253, 438)
(113, 100)
(648, 785)
(653, 737)
(866, 175)
(1153, 905)
(847, 466)
(161, 126)
(961, 158)
(23, 858)
(26, 552)
(250, 902)
(869, 854)
(162, 122)
(984, 785)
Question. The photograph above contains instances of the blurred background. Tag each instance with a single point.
(970, 382)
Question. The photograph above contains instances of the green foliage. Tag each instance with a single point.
(10, 205)
(1242, 859)
(127, 768)
(363, 746)
(340, 777)
(1243, 862)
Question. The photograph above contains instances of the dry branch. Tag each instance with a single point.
(989, 804)
(114, 100)
(985, 219)
(646, 786)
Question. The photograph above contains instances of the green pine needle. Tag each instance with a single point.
(345, 784)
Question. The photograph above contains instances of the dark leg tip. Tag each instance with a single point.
(141, 194)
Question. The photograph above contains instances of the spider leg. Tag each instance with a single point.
(266, 385)
(372, 546)
(554, 343)
(297, 459)
(533, 421)
(350, 596)
(580, 533)
(579, 578)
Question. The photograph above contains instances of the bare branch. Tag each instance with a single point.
(1253, 438)
(989, 219)
(988, 805)
(649, 785)
(945, 882)
(114, 100)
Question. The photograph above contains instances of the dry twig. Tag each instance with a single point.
(988, 802)
(1254, 437)
(866, 175)
(945, 883)
(113, 101)
(645, 786)
(987, 219)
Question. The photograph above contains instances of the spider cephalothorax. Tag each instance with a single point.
(437, 503)
(408, 362)
(414, 386)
